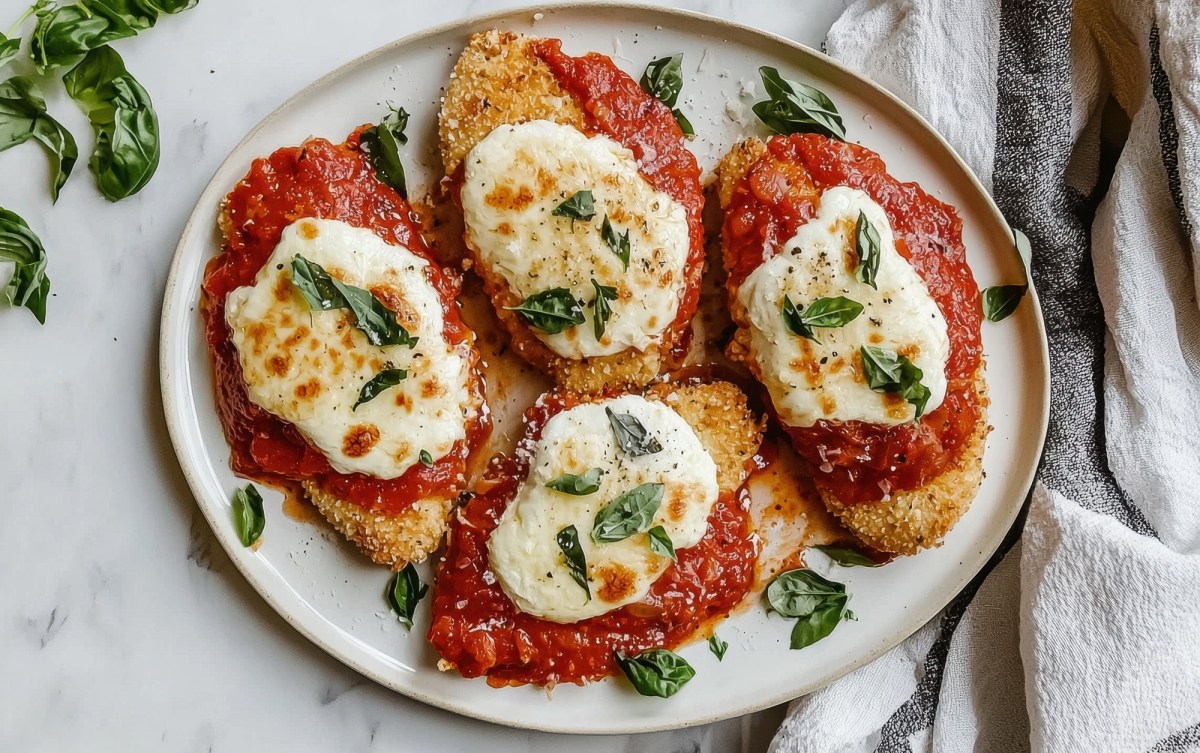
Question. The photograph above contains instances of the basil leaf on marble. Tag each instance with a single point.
(661, 544)
(656, 672)
(604, 294)
(618, 244)
(568, 543)
(404, 592)
(382, 145)
(577, 486)
(29, 286)
(385, 379)
(845, 556)
(797, 593)
(634, 439)
(663, 79)
(888, 372)
(866, 245)
(552, 311)
(65, 34)
(1000, 301)
(630, 513)
(248, 517)
(324, 292)
(793, 107)
(578, 206)
(717, 646)
(426, 459)
(23, 117)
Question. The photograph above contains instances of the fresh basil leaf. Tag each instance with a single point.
(657, 672)
(248, 517)
(798, 593)
(831, 312)
(404, 592)
(820, 623)
(685, 125)
(663, 79)
(794, 107)
(888, 372)
(324, 292)
(64, 35)
(845, 556)
(630, 513)
(717, 646)
(1000, 301)
(866, 245)
(568, 542)
(618, 244)
(552, 311)
(123, 120)
(604, 294)
(9, 47)
(661, 544)
(793, 320)
(382, 145)
(385, 379)
(634, 439)
(578, 206)
(577, 486)
(23, 116)
(426, 459)
(29, 286)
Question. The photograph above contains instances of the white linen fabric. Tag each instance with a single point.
(1083, 637)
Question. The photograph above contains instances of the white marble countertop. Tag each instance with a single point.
(123, 626)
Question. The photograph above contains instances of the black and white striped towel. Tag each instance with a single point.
(1086, 635)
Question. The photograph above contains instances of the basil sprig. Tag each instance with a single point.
(618, 244)
(630, 513)
(552, 311)
(10, 41)
(817, 604)
(568, 543)
(1000, 301)
(327, 293)
(656, 672)
(123, 120)
(717, 646)
(661, 544)
(845, 556)
(604, 294)
(663, 80)
(382, 145)
(578, 206)
(577, 486)
(404, 592)
(23, 117)
(888, 372)
(794, 107)
(29, 286)
(634, 439)
(866, 245)
(823, 312)
(65, 34)
(248, 517)
(385, 379)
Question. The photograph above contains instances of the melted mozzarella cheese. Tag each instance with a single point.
(524, 551)
(308, 366)
(514, 179)
(810, 380)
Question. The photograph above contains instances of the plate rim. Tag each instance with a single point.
(238, 555)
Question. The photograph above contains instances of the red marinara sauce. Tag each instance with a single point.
(856, 461)
(478, 629)
(332, 181)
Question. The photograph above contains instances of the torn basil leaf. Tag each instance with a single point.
(552, 311)
(426, 459)
(577, 486)
(818, 604)
(717, 646)
(65, 34)
(888, 372)
(324, 292)
(385, 379)
(866, 245)
(29, 286)
(630, 513)
(578, 206)
(633, 438)
(663, 79)
(1000, 301)
(845, 556)
(382, 145)
(793, 107)
(23, 116)
(661, 544)
(568, 543)
(248, 517)
(404, 592)
(618, 244)
(656, 672)
(604, 294)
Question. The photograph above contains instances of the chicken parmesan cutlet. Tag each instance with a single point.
(856, 308)
(617, 527)
(581, 207)
(343, 369)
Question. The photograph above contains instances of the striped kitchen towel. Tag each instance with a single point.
(1085, 636)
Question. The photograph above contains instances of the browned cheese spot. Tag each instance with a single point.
(308, 390)
(308, 230)
(503, 197)
(359, 440)
(278, 365)
(616, 581)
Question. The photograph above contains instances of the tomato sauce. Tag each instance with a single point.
(334, 181)
(857, 461)
(477, 628)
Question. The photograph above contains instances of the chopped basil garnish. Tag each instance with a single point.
(794, 107)
(657, 672)
(604, 294)
(866, 245)
(888, 372)
(426, 459)
(327, 293)
(404, 593)
(23, 116)
(1000, 301)
(823, 312)
(385, 379)
(845, 556)
(552, 311)
(630, 513)
(578, 206)
(661, 544)
(577, 486)
(618, 244)
(568, 542)
(663, 80)
(634, 439)
(29, 286)
(382, 145)
(717, 646)
(248, 517)
(818, 604)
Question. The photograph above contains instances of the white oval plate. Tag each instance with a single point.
(335, 598)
